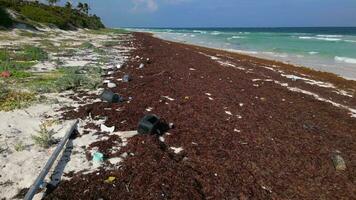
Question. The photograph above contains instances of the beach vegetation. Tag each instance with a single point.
(16, 68)
(11, 99)
(34, 53)
(19, 146)
(30, 34)
(66, 78)
(44, 137)
(66, 18)
(106, 31)
(111, 43)
(79, 77)
(87, 45)
(6, 20)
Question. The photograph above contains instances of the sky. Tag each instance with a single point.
(224, 13)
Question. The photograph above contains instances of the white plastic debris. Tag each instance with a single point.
(228, 112)
(141, 66)
(104, 128)
(111, 85)
(169, 98)
(177, 149)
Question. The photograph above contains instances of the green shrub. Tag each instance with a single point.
(17, 69)
(34, 53)
(6, 20)
(12, 100)
(4, 55)
(79, 77)
(19, 146)
(44, 137)
(64, 18)
(87, 45)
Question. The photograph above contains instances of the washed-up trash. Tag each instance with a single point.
(110, 179)
(111, 97)
(149, 124)
(141, 66)
(339, 163)
(152, 124)
(111, 85)
(126, 78)
(98, 157)
(104, 128)
(148, 61)
(5, 74)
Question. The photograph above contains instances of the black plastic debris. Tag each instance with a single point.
(126, 78)
(111, 97)
(152, 124)
(149, 124)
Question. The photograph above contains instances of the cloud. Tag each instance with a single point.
(144, 5)
(151, 5)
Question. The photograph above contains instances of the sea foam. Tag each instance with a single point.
(345, 60)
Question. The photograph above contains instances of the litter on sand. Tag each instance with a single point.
(111, 97)
(98, 157)
(104, 128)
(110, 179)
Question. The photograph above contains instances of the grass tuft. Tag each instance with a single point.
(19, 146)
(44, 137)
(34, 53)
(11, 100)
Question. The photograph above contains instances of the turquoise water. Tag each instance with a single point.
(325, 49)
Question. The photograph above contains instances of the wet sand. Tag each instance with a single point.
(248, 129)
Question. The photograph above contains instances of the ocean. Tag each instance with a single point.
(330, 49)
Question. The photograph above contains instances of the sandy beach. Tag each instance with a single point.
(244, 128)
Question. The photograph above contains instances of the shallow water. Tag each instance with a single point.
(326, 49)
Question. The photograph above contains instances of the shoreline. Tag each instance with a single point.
(320, 75)
(244, 128)
(264, 55)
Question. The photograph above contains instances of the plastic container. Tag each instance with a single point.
(149, 124)
(111, 97)
(126, 78)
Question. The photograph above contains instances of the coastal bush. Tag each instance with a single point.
(87, 45)
(77, 77)
(62, 17)
(34, 53)
(17, 69)
(6, 20)
(19, 146)
(44, 137)
(108, 31)
(31, 34)
(4, 55)
(12, 100)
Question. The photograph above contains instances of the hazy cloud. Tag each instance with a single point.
(151, 5)
(144, 5)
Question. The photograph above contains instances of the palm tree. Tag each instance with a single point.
(86, 8)
(80, 6)
(68, 5)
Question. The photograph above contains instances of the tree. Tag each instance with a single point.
(80, 6)
(86, 8)
(68, 5)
